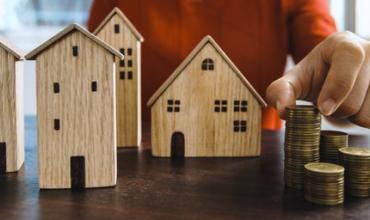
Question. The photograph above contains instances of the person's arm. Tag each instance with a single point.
(335, 75)
(309, 22)
(99, 10)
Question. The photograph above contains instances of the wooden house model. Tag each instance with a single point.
(119, 32)
(206, 108)
(11, 108)
(75, 76)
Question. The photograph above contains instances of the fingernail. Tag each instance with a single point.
(328, 107)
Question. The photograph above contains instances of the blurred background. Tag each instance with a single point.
(28, 23)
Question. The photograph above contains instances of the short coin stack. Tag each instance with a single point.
(330, 143)
(324, 183)
(302, 141)
(356, 161)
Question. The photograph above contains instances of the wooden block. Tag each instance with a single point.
(118, 31)
(206, 108)
(77, 124)
(11, 108)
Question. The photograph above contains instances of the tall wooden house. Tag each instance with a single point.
(11, 108)
(119, 32)
(206, 108)
(75, 76)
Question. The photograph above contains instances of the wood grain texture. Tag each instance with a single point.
(207, 133)
(128, 90)
(11, 109)
(87, 118)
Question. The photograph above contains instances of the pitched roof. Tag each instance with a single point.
(16, 52)
(31, 55)
(186, 62)
(117, 11)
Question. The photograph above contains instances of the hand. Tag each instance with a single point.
(335, 75)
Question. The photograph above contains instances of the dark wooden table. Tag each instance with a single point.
(153, 188)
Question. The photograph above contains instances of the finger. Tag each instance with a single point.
(281, 94)
(301, 82)
(345, 63)
(352, 104)
(362, 118)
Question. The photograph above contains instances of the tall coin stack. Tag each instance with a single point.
(324, 183)
(302, 141)
(330, 143)
(356, 161)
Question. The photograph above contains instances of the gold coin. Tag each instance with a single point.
(355, 151)
(324, 168)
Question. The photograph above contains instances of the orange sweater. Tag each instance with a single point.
(256, 34)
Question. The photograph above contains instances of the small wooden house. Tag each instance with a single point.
(11, 108)
(206, 108)
(75, 76)
(119, 32)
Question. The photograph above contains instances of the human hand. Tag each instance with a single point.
(335, 75)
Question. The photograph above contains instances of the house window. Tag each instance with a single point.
(240, 126)
(129, 75)
(122, 50)
(75, 51)
(221, 106)
(129, 51)
(122, 75)
(208, 64)
(94, 86)
(57, 124)
(56, 88)
(129, 63)
(173, 105)
(122, 63)
(116, 28)
(240, 106)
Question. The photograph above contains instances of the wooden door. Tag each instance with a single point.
(78, 172)
(178, 145)
(2, 157)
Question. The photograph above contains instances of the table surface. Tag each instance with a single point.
(157, 188)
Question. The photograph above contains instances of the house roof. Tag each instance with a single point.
(187, 61)
(34, 53)
(117, 11)
(10, 48)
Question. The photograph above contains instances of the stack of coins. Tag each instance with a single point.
(330, 143)
(324, 183)
(356, 161)
(302, 141)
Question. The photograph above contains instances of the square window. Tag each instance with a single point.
(94, 86)
(243, 123)
(122, 75)
(170, 102)
(244, 102)
(243, 129)
(177, 102)
(56, 124)
(129, 75)
(56, 88)
(129, 63)
(75, 51)
(236, 102)
(116, 28)
(169, 109)
(122, 50)
(177, 109)
(236, 123)
(244, 109)
(236, 109)
(122, 63)
(173, 105)
(129, 51)
(220, 105)
(236, 129)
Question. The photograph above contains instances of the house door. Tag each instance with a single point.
(177, 145)
(2, 157)
(78, 172)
